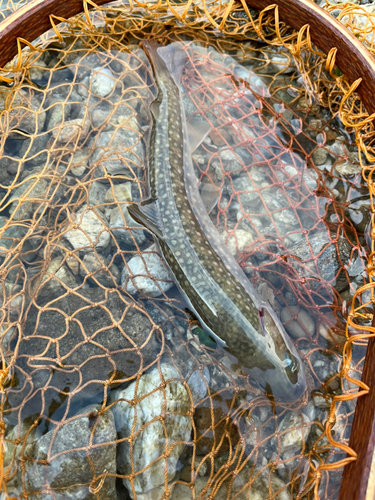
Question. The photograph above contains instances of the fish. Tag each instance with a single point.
(212, 283)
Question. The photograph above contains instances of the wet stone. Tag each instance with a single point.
(146, 273)
(170, 403)
(71, 463)
(73, 343)
(302, 326)
(210, 431)
(102, 81)
(91, 231)
(321, 262)
(117, 153)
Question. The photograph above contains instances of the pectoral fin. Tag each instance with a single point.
(197, 130)
(210, 194)
(147, 213)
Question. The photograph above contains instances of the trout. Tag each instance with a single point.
(214, 286)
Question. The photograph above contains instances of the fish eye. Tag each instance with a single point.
(291, 368)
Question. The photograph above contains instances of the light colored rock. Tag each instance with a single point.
(173, 402)
(259, 490)
(145, 272)
(120, 218)
(72, 465)
(294, 431)
(278, 61)
(10, 236)
(91, 231)
(80, 162)
(97, 192)
(27, 197)
(198, 383)
(302, 326)
(347, 168)
(117, 152)
(23, 111)
(330, 335)
(102, 81)
(239, 241)
(72, 130)
(119, 192)
(56, 276)
(96, 265)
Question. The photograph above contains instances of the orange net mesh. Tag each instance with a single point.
(107, 387)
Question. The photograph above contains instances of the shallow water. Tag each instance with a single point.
(293, 211)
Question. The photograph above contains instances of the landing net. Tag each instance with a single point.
(107, 386)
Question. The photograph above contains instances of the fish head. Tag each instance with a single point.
(286, 378)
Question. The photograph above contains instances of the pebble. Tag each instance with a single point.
(92, 231)
(330, 335)
(102, 81)
(56, 276)
(72, 130)
(320, 156)
(327, 267)
(279, 60)
(237, 242)
(152, 400)
(140, 267)
(74, 471)
(117, 152)
(80, 162)
(10, 236)
(198, 382)
(133, 234)
(293, 440)
(346, 168)
(235, 486)
(27, 197)
(301, 327)
(96, 265)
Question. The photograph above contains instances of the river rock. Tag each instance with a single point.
(146, 273)
(73, 342)
(57, 112)
(302, 326)
(117, 153)
(240, 240)
(72, 130)
(261, 486)
(132, 234)
(102, 81)
(28, 197)
(11, 236)
(67, 459)
(80, 162)
(346, 167)
(162, 407)
(294, 432)
(24, 112)
(100, 270)
(277, 60)
(90, 231)
(327, 269)
(57, 279)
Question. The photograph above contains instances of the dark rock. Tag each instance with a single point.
(70, 349)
